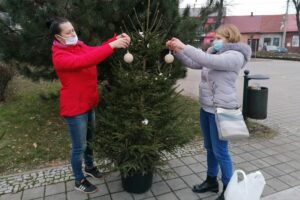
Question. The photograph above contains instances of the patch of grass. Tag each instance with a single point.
(274, 55)
(189, 118)
(258, 130)
(35, 135)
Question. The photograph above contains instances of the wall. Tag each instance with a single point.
(246, 37)
(272, 39)
(288, 41)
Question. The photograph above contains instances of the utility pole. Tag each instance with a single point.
(285, 23)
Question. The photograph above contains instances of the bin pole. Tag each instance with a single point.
(245, 95)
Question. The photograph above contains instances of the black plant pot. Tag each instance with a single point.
(138, 183)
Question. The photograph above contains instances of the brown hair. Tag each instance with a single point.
(230, 32)
(53, 25)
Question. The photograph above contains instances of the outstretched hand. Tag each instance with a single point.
(124, 35)
(122, 41)
(175, 45)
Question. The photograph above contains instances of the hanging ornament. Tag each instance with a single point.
(128, 57)
(145, 122)
(141, 33)
(169, 58)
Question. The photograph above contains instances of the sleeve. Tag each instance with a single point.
(110, 40)
(187, 62)
(227, 61)
(63, 60)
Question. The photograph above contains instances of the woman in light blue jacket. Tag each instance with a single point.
(220, 66)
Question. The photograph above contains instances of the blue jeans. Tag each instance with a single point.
(217, 150)
(81, 128)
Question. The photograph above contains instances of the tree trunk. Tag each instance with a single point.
(297, 7)
(298, 25)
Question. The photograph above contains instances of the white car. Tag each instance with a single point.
(271, 48)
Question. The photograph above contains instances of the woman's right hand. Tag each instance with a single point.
(175, 45)
(120, 43)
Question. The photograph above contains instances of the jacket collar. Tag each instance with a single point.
(240, 47)
(62, 46)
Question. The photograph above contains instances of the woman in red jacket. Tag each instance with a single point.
(75, 65)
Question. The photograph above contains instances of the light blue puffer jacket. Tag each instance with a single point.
(219, 72)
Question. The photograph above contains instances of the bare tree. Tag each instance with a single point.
(297, 7)
(220, 8)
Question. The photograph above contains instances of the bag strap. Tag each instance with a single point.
(211, 86)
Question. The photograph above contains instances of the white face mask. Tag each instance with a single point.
(70, 40)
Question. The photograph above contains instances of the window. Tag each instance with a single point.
(267, 41)
(276, 42)
(295, 41)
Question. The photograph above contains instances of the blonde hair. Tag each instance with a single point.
(230, 32)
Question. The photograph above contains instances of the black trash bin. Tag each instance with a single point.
(257, 100)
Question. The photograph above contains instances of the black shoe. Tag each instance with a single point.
(85, 186)
(209, 185)
(222, 197)
(93, 172)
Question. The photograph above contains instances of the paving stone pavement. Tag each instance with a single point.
(277, 158)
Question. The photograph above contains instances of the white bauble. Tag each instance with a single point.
(128, 57)
(145, 122)
(169, 58)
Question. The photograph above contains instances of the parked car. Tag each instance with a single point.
(282, 50)
(276, 49)
(271, 48)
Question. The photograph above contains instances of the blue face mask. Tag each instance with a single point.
(217, 44)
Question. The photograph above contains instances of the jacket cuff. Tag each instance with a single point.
(184, 52)
(179, 55)
(110, 40)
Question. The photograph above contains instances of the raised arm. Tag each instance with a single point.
(227, 61)
(63, 60)
(187, 61)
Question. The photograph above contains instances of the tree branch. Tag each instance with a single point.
(8, 27)
(137, 18)
(148, 15)
(220, 13)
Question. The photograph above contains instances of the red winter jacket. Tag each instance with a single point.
(76, 69)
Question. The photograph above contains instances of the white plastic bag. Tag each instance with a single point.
(249, 188)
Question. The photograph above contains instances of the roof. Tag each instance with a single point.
(246, 24)
(262, 23)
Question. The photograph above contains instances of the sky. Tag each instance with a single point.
(245, 7)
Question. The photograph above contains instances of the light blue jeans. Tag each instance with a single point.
(81, 128)
(217, 150)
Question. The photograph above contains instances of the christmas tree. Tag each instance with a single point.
(95, 21)
(140, 121)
